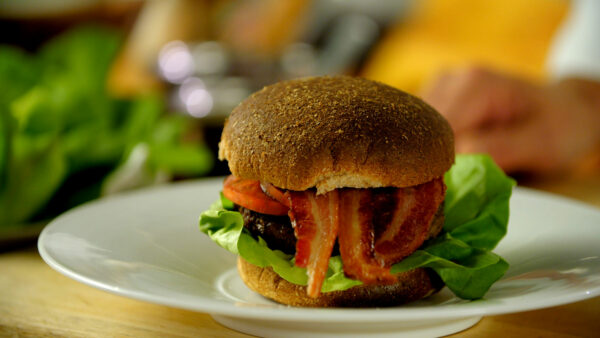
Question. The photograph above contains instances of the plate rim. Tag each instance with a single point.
(295, 314)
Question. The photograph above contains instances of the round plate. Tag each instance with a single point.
(146, 245)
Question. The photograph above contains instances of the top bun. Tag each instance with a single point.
(335, 132)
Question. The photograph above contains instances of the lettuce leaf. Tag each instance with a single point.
(64, 136)
(476, 209)
(226, 228)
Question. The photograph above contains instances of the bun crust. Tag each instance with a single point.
(412, 285)
(333, 132)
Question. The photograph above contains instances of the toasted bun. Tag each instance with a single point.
(412, 285)
(333, 132)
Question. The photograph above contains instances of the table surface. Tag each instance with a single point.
(38, 301)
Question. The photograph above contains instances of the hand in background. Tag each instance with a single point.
(524, 126)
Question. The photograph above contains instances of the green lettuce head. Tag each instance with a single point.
(476, 211)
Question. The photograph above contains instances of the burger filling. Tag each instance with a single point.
(278, 232)
(374, 228)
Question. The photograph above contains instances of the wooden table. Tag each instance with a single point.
(38, 301)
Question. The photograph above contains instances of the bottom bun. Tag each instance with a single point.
(412, 285)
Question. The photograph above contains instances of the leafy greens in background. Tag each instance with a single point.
(476, 218)
(64, 139)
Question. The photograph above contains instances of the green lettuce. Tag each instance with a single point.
(65, 139)
(476, 218)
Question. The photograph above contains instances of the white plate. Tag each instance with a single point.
(146, 245)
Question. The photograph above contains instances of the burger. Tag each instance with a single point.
(337, 183)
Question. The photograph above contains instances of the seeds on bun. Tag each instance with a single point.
(336, 132)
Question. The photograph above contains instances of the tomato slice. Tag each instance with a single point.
(250, 195)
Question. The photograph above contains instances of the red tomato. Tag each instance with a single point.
(250, 195)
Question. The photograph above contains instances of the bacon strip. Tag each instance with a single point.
(379, 227)
(356, 238)
(275, 193)
(375, 228)
(315, 221)
(409, 226)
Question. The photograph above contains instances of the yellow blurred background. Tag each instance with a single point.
(410, 47)
(202, 57)
(510, 36)
(406, 42)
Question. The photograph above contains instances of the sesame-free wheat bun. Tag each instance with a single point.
(333, 132)
(325, 133)
(411, 285)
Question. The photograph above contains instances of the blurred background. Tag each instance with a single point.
(101, 96)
